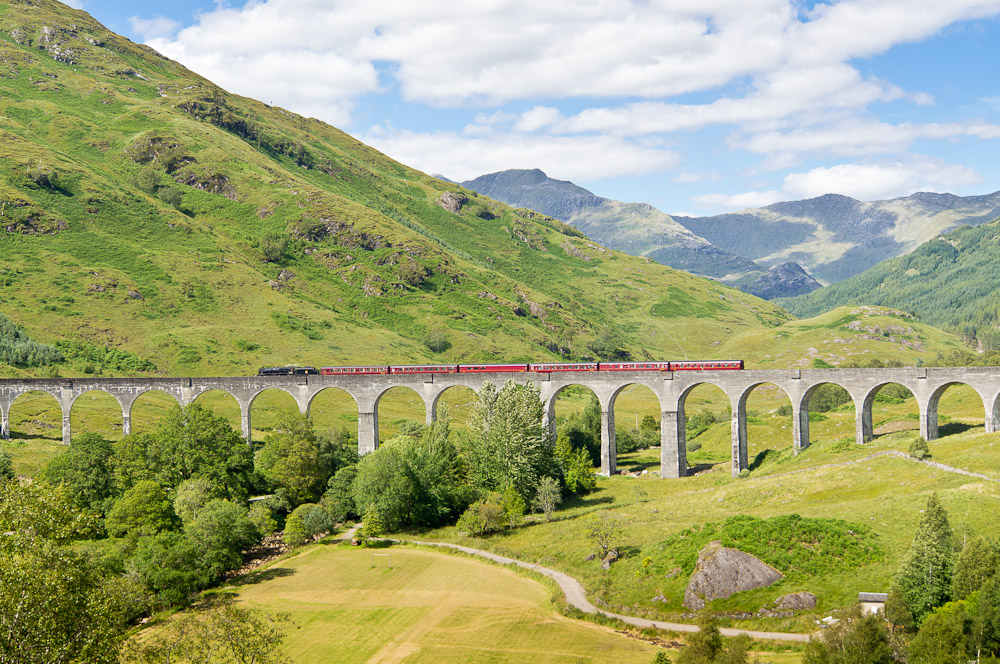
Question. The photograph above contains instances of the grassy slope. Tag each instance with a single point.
(359, 225)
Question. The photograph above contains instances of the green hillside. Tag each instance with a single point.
(147, 211)
(949, 282)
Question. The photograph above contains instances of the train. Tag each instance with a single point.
(685, 365)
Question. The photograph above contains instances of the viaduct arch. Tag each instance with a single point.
(671, 388)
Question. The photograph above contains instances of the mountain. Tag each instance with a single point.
(636, 228)
(835, 237)
(950, 282)
(784, 279)
(829, 238)
(149, 220)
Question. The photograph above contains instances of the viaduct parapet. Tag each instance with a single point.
(671, 388)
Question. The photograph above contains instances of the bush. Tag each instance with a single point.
(169, 564)
(305, 523)
(222, 530)
(483, 517)
(919, 449)
(6, 465)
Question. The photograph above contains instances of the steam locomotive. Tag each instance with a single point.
(686, 365)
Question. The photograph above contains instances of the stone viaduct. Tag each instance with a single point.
(672, 389)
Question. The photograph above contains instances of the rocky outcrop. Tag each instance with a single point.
(796, 601)
(721, 572)
(784, 280)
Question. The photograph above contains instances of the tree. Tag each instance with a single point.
(858, 638)
(924, 578)
(131, 461)
(55, 606)
(483, 516)
(513, 507)
(191, 496)
(84, 469)
(222, 633)
(339, 498)
(305, 523)
(171, 196)
(193, 442)
(373, 523)
(221, 530)
(292, 461)
(273, 246)
(548, 495)
(977, 564)
(705, 645)
(604, 530)
(943, 638)
(144, 509)
(507, 445)
(170, 565)
(919, 449)
(577, 466)
(412, 479)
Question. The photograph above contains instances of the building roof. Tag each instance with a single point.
(873, 597)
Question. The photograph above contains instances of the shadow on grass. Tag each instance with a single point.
(261, 576)
(55, 437)
(584, 501)
(761, 457)
(702, 467)
(952, 428)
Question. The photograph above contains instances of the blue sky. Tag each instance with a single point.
(696, 107)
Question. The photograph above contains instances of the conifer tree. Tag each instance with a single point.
(976, 565)
(924, 578)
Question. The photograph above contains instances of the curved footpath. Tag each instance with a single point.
(577, 597)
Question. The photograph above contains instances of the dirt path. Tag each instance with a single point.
(576, 597)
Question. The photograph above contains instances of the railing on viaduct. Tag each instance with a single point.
(671, 388)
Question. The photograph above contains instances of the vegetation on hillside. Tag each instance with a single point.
(147, 211)
(947, 282)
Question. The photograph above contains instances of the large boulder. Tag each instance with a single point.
(796, 601)
(721, 571)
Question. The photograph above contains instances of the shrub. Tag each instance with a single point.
(305, 523)
(547, 497)
(482, 517)
(919, 449)
(6, 465)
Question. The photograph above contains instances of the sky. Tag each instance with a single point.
(697, 107)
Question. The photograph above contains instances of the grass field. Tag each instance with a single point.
(429, 607)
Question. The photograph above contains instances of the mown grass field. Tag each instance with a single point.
(429, 607)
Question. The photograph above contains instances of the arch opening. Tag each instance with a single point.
(268, 407)
(396, 408)
(458, 400)
(97, 411)
(149, 409)
(637, 414)
(827, 413)
(704, 412)
(574, 418)
(35, 425)
(954, 408)
(890, 408)
(762, 432)
(221, 404)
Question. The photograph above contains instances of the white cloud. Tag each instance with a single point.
(749, 199)
(869, 182)
(461, 157)
(692, 178)
(866, 182)
(158, 27)
(482, 51)
(537, 118)
(857, 137)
